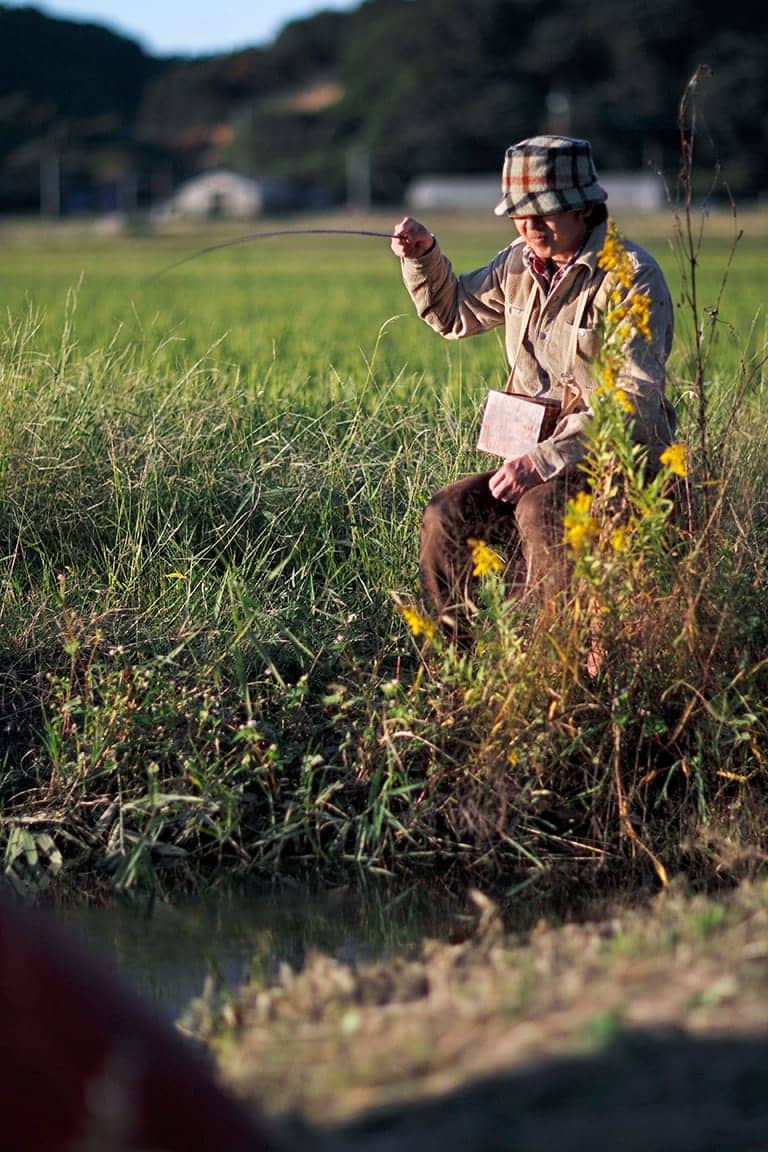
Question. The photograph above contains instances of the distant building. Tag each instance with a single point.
(627, 192)
(218, 193)
(223, 194)
(453, 193)
(635, 191)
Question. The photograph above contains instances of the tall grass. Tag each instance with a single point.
(211, 488)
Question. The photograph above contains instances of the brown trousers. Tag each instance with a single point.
(529, 532)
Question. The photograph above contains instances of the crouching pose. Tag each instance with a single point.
(548, 291)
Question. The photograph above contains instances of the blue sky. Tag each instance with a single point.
(189, 27)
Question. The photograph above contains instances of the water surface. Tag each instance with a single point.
(173, 953)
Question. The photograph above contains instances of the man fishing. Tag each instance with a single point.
(547, 290)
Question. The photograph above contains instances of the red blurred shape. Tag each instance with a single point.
(84, 1064)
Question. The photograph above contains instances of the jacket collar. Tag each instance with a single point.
(593, 246)
(589, 254)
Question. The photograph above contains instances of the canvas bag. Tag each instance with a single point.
(513, 423)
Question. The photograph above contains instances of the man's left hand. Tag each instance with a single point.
(512, 479)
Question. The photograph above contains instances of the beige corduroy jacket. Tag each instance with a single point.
(551, 339)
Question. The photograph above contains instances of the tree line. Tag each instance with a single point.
(408, 87)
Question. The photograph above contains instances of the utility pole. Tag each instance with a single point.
(50, 185)
(359, 179)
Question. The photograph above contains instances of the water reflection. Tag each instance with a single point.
(171, 952)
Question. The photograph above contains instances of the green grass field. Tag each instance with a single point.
(212, 483)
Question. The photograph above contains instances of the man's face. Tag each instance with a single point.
(556, 237)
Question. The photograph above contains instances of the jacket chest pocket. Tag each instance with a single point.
(587, 342)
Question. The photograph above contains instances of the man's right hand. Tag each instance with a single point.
(410, 239)
(513, 479)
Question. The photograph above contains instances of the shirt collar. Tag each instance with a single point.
(546, 271)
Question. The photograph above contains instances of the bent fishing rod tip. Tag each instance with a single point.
(269, 236)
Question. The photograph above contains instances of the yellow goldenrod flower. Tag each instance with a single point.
(624, 401)
(580, 504)
(484, 559)
(609, 374)
(578, 533)
(676, 459)
(417, 624)
(627, 316)
(578, 523)
(640, 314)
(619, 539)
(624, 314)
(614, 258)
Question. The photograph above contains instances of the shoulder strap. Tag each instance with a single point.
(523, 330)
(573, 342)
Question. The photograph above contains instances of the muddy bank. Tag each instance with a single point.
(645, 1029)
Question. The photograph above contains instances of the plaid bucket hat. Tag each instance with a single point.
(547, 174)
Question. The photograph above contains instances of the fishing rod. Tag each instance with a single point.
(251, 236)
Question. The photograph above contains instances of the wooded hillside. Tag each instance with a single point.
(409, 86)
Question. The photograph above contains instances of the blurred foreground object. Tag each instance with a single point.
(87, 1066)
